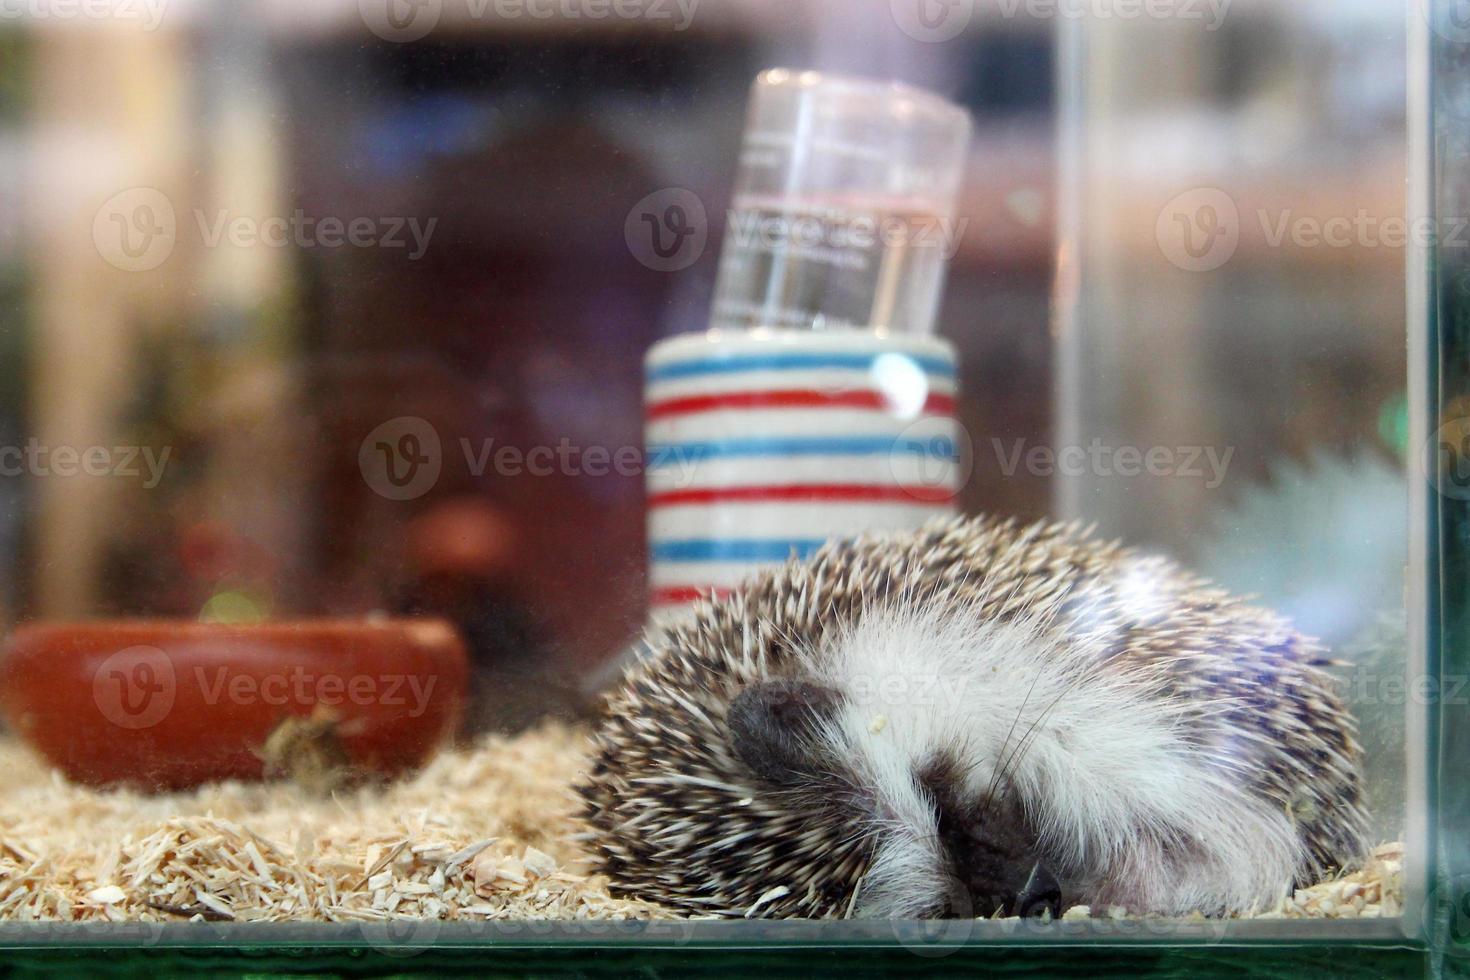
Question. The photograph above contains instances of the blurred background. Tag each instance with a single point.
(248, 240)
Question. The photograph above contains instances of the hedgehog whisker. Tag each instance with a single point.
(989, 790)
(1005, 768)
(1005, 743)
(1028, 739)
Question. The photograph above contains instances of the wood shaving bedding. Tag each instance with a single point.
(480, 833)
(488, 832)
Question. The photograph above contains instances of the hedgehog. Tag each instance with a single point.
(978, 718)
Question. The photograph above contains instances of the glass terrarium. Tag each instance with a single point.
(637, 491)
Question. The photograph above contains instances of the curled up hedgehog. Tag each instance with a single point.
(973, 719)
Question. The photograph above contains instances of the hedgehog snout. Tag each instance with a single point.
(993, 882)
(994, 862)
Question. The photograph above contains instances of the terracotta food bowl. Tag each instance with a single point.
(167, 705)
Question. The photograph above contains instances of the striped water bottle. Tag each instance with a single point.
(763, 445)
(817, 406)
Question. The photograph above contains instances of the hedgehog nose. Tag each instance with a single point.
(1040, 894)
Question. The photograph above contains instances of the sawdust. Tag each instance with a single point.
(488, 832)
(485, 833)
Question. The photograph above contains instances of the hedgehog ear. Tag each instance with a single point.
(774, 728)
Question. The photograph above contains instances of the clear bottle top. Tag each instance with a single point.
(844, 207)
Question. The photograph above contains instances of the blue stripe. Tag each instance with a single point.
(940, 447)
(722, 549)
(939, 366)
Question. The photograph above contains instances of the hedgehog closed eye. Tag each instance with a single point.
(1074, 751)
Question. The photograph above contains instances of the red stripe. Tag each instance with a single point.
(804, 492)
(935, 404)
(680, 594)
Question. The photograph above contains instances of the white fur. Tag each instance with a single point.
(1106, 775)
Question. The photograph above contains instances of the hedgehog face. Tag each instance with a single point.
(990, 848)
(784, 730)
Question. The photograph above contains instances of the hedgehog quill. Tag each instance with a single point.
(975, 719)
